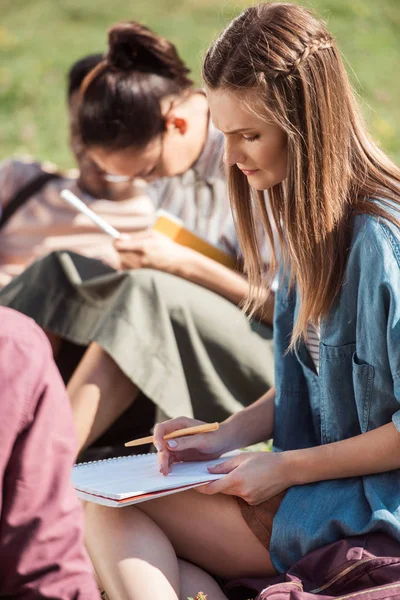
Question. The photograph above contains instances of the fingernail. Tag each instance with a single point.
(157, 446)
(172, 444)
(160, 468)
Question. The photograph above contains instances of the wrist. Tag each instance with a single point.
(182, 265)
(297, 466)
(233, 433)
(229, 437)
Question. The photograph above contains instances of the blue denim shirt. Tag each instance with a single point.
(357, 389)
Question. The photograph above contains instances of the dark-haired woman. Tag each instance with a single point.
(168, 325)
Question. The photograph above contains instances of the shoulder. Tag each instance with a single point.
(14, 174)
(21, 333)
(373, 265)
(25, 363)
(19, 168)
(376, 240)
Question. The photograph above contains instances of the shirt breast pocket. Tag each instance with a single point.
(346, 386)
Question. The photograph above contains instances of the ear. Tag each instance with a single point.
(174, 122)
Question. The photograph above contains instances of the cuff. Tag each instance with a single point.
(396, 420)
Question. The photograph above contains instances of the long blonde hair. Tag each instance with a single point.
(335, 170)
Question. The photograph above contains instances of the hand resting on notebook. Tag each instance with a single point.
(204, 446)
(253, 476)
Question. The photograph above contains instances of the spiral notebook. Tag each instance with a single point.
(132, 479)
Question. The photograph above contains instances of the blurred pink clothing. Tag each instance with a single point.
(46, 222)
(42, 553)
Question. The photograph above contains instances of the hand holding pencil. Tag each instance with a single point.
(205, 428)
(197, 441)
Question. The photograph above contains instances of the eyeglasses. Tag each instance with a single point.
(156, 169)
(117, 178)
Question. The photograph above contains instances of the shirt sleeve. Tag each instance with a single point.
(393, 316)
(393, 351)
(378, 297)
(41, 524)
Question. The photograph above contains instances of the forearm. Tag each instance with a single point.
(376, 451)
(210, 274)
(253, 424)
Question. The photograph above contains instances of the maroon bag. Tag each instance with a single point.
(358, 568)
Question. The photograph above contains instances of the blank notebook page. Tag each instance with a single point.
(129, 476)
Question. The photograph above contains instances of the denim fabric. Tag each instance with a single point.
(358, 389)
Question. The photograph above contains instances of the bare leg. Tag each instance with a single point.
(128, 575)
(135, 550)
(99, 394)
(194, 580)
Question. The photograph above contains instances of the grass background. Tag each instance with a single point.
(39, 39)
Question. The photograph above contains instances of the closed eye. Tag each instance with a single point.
(251, 138)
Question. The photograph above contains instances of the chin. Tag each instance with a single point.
(263, 184)
(260, 186)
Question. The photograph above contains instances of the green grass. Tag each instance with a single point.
(39, 39)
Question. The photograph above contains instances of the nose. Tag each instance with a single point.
(232, 154)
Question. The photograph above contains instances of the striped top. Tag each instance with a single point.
(46, 222)
(312, 343)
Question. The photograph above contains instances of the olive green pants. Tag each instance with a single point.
(189, 350)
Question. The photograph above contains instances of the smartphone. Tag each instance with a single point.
(80, 206)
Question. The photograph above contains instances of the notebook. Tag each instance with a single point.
(132, 479)
(173, 227)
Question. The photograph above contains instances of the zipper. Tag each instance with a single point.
(341, 574)
(390, 586)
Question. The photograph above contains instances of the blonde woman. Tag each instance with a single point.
(278, 91)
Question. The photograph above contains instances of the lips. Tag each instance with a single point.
(249, 171)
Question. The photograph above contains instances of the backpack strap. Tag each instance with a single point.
(23, 194)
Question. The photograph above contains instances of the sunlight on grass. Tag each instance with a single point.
(39, 39)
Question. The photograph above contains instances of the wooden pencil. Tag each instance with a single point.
(206, 428)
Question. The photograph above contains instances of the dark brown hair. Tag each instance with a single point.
(79, 70)
(120, 98)
(288, 61)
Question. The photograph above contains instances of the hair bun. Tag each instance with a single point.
(133, 46)
(124, 45)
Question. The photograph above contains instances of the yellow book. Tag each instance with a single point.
(173, 227)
